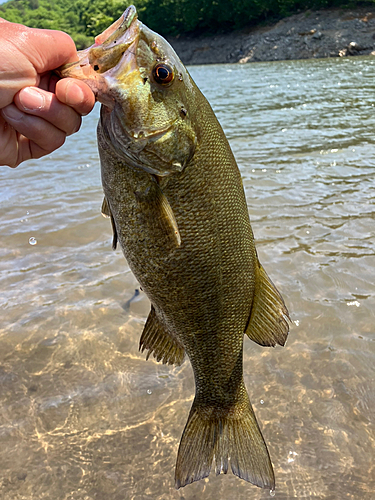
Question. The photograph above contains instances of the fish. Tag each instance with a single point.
(175, 198)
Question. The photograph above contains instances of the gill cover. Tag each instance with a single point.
(145, 90)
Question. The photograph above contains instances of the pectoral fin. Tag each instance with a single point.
(159, 342)
(105, 209)
(106, 212)
(158, 210)
(268, 324)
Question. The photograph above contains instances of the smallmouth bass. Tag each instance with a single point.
(177, 206)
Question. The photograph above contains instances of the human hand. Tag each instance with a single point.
(37, 110)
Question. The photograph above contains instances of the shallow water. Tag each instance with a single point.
(83, 416)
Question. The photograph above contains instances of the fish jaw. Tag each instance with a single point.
(112, 48)
(147, 123)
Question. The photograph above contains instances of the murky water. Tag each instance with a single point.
(83, 416)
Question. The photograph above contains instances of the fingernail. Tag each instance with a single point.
(11, 112)
(31, 99)
(74, 94)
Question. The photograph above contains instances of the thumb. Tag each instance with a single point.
(45, 49)
(26, 53)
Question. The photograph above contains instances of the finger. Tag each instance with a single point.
(28, 53)
(8, 144)
(14, 147)
(28, 149)
(47, 82)
(61, 49)
(53, 79)
(38, 102)
(45, 49)
(44, 137)
(76, 94)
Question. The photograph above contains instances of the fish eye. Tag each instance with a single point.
(162, 74)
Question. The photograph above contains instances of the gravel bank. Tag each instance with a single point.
(323, 33)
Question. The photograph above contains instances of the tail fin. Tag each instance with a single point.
(234, 437)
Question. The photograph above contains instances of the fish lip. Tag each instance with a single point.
(119, 27)
(119, 32)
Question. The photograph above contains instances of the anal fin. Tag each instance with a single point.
(268, 324)
(159, 342)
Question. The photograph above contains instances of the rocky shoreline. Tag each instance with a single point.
(311, 34)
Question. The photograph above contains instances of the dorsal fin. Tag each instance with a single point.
(159, 342)
(268, 324)
(106, 212)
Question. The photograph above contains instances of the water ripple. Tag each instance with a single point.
(84, 416)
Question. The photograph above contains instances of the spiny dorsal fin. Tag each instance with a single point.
(159, 342)
(106, 212)
(268, 324)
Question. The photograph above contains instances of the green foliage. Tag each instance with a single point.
(83, 19)
(82, 41)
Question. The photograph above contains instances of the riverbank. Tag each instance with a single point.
(311, 34)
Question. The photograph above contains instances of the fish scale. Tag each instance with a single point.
(177, 205)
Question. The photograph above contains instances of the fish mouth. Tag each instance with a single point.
(118, 28)
(98, 64)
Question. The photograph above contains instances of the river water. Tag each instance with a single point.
(84, 416)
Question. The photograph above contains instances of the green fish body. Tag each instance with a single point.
(177, 205)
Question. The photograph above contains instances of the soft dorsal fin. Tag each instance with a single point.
(106, 212)
(159, 342)
(268, 324)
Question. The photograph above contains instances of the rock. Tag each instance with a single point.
(317, 35)
(354, 47)
(305, 33)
